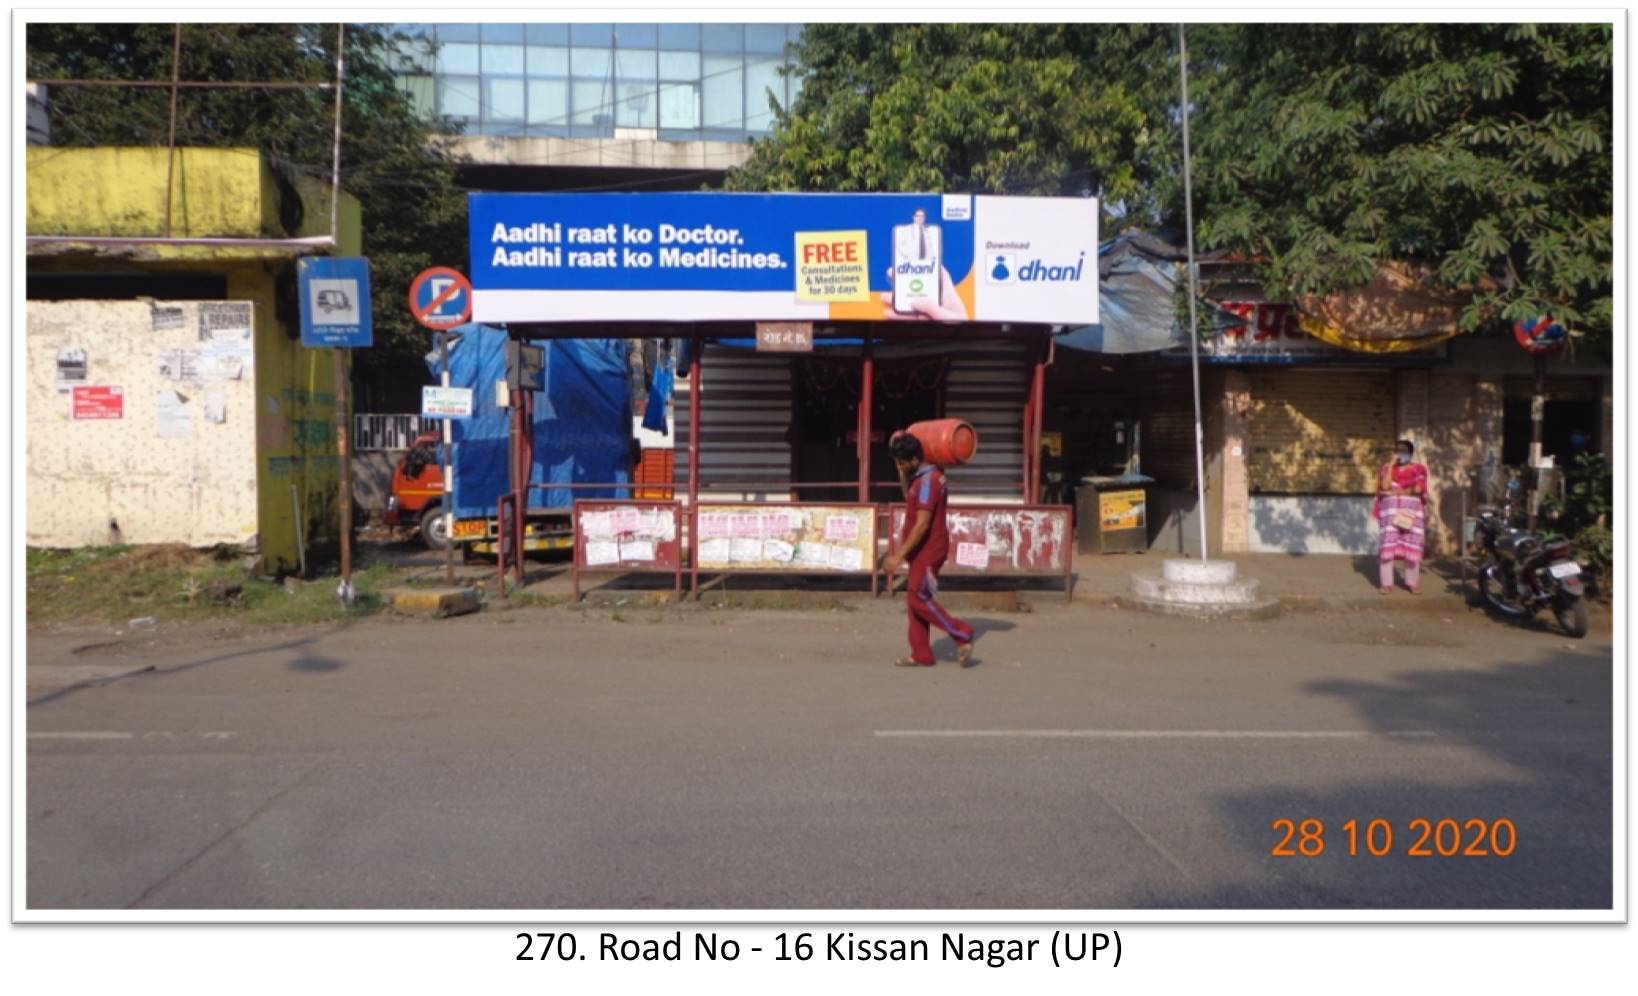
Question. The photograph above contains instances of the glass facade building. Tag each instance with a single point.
(677, 82)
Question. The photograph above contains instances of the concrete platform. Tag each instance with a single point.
(434, 603)
(1200, 588)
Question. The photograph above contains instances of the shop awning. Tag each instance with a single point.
(1137, 298)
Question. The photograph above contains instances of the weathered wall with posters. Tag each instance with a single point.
(141, 423)
(285, 435)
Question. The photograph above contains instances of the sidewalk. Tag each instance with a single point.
(1312, 581)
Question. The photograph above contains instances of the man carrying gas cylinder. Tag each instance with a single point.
(924, 545)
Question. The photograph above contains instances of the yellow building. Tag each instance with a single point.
(169, 396)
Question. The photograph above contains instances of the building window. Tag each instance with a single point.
(458, 58)
(762, 78)
(506, 60)
(549, 102)
(458, 97)
(502, 99)
(421, 93)
(724, 92)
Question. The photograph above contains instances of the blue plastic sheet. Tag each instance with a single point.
(582, 421)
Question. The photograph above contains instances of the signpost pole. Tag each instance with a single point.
(1194, 327)
(344, 493)
(449, 487)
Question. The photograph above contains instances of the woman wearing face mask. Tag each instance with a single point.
(1401, 512)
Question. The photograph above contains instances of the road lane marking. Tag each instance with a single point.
(81, 735)
(1170, 734)
(121, 735)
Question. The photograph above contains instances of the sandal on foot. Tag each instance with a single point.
(964, 653)
(912, 662)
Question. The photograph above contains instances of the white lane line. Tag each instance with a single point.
(1170, 734)
(82, 735)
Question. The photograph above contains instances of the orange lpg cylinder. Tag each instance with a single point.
(947, 442)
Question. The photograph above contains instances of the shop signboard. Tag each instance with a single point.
(714, 256)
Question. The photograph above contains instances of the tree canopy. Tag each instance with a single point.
(1483, 151)
(1320, 150)
(985, 108)
(389, 155)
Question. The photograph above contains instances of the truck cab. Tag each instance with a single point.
(418, 491)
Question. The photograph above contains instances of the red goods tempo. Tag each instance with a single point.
(947, 442)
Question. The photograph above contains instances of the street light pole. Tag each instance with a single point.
(1194, 337)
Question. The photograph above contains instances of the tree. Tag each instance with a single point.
(1064, 109)
(1483, 151)
(414, 213)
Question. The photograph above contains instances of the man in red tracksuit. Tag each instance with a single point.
(925, 543)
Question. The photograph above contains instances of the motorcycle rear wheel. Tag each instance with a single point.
(1571, 614)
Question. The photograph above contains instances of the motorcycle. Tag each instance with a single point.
(1521, 573)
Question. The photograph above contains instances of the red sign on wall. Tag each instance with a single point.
(99, 402)
(1003, 539)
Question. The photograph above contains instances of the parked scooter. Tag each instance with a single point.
(1521, 572)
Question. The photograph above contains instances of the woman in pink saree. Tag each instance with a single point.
(1401, 514)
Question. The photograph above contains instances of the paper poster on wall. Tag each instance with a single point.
(171, 410)
(974, 555)
(599, 552)
(99, 402)
(637, 551)
(71, 368)
(224, 321)
(177, 364)
(814, 537)
(215, 407)
(169, 317)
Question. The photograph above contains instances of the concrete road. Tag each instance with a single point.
(739, 759)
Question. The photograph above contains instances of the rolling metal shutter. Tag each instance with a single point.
(987, 385)
(744, 424)
(1167, 414)
(1319, 432)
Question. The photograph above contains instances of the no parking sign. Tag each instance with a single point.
(441, 298)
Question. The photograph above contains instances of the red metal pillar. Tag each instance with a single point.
(1023, 443)
(695, 399)
(523, 415)
(1037, 394)
(866, 404)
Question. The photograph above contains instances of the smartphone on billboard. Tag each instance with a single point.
(918, 261)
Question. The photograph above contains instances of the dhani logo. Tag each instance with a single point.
(1006, 268)
(925, 269)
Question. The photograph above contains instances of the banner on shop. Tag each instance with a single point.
(783, 257)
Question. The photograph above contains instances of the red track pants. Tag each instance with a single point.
(921, 596)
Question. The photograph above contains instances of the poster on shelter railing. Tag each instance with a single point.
(797, 538)
(541, 257)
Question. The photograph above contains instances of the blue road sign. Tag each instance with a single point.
(335, 301)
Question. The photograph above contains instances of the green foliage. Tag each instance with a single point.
(1589, 495)
(1483, 151)
(1064, 109)
(389, 158)
(1595, 549)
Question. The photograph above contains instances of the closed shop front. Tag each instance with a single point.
(1316, 441)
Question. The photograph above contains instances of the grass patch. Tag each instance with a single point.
(174, 582)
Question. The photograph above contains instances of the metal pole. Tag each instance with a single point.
(1538, 413)
(694, 403)
(344, 497)
(170, 147)
(1037, 392)
(1194, 337)
(866, 401)
(335, 151)
(448, 472)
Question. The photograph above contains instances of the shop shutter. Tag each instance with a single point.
(1167, 441)
(1319, 431)
(987, 385)
(744, 424)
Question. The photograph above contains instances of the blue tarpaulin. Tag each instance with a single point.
(582, 421)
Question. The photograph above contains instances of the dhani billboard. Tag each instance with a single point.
(783, 257)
